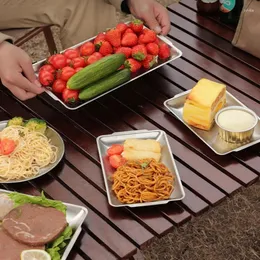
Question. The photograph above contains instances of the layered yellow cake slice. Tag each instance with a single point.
(203, 102)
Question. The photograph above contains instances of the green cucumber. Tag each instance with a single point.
(96, 71)
(105, 84)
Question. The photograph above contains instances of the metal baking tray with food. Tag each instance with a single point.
(75, 217)
(105, 141)
(211, 138)
(175, 54)
(56, 140)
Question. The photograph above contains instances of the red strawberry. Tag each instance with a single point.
(152, 48)
(99, 43)
(129, 40)
(145, 30)
(125, 50)
(149, 61)
(122, 27)
(157, 41)
(136, 26)
(133, 64)
(99, 37)
(115, 49)
(113, 36)
(106, 48)
(164, 51)
(87, 49)
(139, 52)
(129, 30)
(147, 37)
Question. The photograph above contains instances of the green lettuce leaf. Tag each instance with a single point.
(20, 199)
(57, 247)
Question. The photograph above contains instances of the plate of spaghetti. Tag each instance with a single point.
(139, 169)
(28, 149)
(142, 181)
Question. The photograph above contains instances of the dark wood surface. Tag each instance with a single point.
(112, 233)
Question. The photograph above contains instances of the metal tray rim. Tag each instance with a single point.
(218, 153)
(51, 167)
(145, 204)
(78, 229)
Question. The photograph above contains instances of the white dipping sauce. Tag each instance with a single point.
(236, 120)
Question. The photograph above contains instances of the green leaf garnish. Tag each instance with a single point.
(56, 248)
(20, 199)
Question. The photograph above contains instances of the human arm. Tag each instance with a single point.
(13, 62)
(151, 12)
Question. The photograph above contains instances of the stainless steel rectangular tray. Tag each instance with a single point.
(211, 138)
(105, 141)
(175, 54)
(75, 217)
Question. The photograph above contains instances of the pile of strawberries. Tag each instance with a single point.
(140, 45)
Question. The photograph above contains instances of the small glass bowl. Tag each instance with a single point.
(236, 137)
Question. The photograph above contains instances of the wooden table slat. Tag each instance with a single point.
(201, 21)
(193, 203)
(217, 71)
(199, 186)
(224, 60)
(213, 40)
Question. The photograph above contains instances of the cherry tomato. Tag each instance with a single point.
(71, 53)
(70, 96)
(98, 55)
(7, 146)
(94, 57)
(46, 78)
(78, 69)
(115, 149)
(87, 49)
(50, 59)
(59, 61)
(116, 160)
(58, 86)
(66, 73)
(78, 62)
(48, 67)
(68, 62)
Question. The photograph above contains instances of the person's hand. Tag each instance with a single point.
(13, 62)
(152, 13)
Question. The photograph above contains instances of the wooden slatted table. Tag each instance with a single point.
(111, 233)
